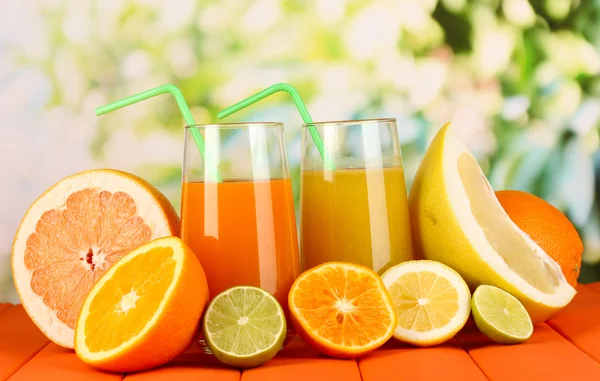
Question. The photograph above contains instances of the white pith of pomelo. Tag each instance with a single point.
(151, 206)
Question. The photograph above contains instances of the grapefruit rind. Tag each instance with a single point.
(151, 205)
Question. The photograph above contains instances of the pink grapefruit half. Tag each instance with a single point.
(74, 233)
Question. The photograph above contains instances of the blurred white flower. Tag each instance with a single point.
(474, 129)
(413, 15)
(428, 5)
(127, 150)
(137, 64)
(560, 102)
(427, 82)
(492, 48)
(217, 16)
(577, 174)
(77, 21)
(260, 16)
(587, 116)
(557, 9)
(454, 5)
(515, 107)
(174, 16)
(22, 25)
(393, 68)
(330, 11)
(106, 18)
(571, 53)
(519, 12)
(182, 58)
(71, 80)
(374, 30)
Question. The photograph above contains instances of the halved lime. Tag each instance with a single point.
(244, 327)
(500, 316)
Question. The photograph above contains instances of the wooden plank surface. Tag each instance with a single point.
(298, 362)
(56, 363)
(579, 322)
(593, 286)
(545, 356)
(567, 347)
(396, 361)
(4, 306)
(191, 366)
(20, 340)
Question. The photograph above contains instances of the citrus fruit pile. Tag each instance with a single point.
(74, 233)
(99, 268)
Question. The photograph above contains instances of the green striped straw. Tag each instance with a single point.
(327, 159)
(183, 107)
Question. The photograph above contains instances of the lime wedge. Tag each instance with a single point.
(500, 316)
(244, 327)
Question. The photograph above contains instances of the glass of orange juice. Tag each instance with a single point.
(355, 210)
(242, 228)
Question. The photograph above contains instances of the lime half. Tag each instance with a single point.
(244, 327)
(500, 316)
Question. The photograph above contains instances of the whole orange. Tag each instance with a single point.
(548, 227)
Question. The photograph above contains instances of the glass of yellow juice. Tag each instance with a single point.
(355, 208)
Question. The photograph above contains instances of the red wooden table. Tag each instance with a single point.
(566, 347)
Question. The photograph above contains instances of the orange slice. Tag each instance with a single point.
(145, 310)
(73, 233)
(342, 309)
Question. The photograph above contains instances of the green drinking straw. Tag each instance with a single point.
(183, 107)
(301, 108)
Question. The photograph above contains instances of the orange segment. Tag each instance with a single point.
(342, 309)
(74, 233)
(146, 309)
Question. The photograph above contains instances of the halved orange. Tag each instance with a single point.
(342, 309)
(73, 233)
(145, 310)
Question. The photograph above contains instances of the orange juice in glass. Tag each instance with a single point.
(357, 210)
(242, 228)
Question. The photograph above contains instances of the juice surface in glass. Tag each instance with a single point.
(243, 233)
(357, 211)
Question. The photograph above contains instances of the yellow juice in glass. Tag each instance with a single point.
(355, 215)
(354, 209)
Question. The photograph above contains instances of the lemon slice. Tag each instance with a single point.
(500, 316)
(431, 300)
(244, 327)
(457, 220)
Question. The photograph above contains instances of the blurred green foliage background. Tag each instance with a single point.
(519, 79)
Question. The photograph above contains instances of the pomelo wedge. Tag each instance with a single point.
(456, 219)
(73, 233)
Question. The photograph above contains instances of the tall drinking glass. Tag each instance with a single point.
(357, 210)
(243, 228)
